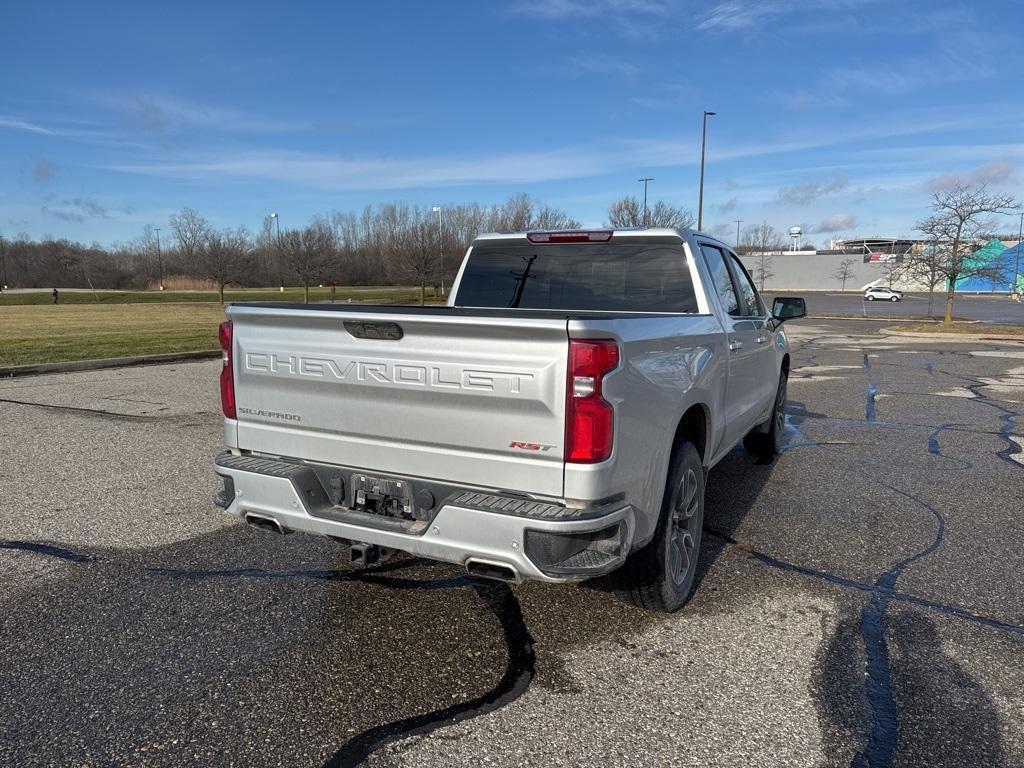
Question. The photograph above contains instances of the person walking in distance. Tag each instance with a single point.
(56, 296)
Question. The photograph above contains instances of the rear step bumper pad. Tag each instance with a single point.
(468, 525)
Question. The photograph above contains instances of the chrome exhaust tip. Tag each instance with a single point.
(486, 569)
(264, 523)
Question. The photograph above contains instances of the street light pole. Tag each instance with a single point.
(703, 145)
(645, 180)
(440, 244)
(159, 262)
(3, 264)
(738, 222)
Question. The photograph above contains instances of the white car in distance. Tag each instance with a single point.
(881, 293)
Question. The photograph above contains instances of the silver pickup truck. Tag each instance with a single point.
(555, 421)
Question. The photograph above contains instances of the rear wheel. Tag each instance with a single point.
(660, 576)
(767, 445)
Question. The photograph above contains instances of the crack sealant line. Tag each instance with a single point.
(137, 417)
(861, 586)
(48, 549)
(514, 682)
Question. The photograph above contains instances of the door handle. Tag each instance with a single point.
(735, 345)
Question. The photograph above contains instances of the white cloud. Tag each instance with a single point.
(808, 192)
(17, 124)
(346, 172)
(834, 223)
(994, 172)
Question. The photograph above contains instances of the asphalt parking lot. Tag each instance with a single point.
(981, 308)
(860, 602)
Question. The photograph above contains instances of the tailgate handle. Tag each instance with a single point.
(376, 331)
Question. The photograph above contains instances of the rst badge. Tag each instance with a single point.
(524, 446)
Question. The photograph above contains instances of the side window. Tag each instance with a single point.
(750, 302)
(715, 260)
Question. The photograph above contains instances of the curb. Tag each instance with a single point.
(866, 319)
(107, 362)
(951, 336)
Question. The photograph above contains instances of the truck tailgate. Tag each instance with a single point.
(477, 400)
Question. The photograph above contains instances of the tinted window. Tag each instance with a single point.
(750, 304)
(584, 276)
(720, 277)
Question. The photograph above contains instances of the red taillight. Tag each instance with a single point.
(227, 375)
(589, 418)
(591, 236)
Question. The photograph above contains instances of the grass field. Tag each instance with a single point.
(35, 334)
(124, 324)
(383, 294)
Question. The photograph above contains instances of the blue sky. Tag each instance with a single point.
(838, 115)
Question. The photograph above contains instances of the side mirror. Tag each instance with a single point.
(788, 307)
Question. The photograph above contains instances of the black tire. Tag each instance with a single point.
(895, 298)
(870, 298)
(767, 445)
(660, 576)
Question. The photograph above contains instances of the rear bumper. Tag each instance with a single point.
(532, 539)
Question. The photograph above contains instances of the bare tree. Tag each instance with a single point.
(628, 212)
(951, 232)
(758, 238)
(307, 252)
(763, 271)
(225, 258)
(521, 212)
(190, 230)
(844, 272)
(420, 262)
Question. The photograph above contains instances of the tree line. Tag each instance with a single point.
(386, 244)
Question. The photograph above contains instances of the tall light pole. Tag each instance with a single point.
(3, 264)
(738, 222)
(440, 244)
(645, 180)
(277, 220)
(159, 262)
(703, 144)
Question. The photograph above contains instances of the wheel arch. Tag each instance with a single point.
(693, 427)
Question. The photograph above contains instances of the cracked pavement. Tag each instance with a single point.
(859, 601)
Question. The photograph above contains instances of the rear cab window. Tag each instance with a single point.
(633, 277)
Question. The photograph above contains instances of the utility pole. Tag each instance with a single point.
(645, 180)
(3, 263)
(159, 262)
(738, 222)
(440, 244)
(703, 145)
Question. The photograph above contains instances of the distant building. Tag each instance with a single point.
(879, 248)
